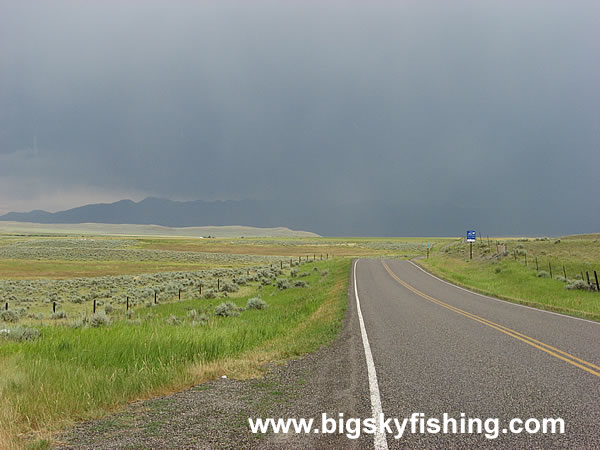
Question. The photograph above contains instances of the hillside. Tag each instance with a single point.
(149, 230)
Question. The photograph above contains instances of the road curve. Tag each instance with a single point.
(440, 349)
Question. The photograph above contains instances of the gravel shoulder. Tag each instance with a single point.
(215, 414)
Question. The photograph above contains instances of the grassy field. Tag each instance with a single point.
(303, 247)
(509, 271)
(75, 371)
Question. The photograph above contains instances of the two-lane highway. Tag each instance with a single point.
(437, 348)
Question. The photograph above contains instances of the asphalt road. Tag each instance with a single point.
(438, 349)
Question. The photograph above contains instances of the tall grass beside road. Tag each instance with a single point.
(514, 276)
(75, 373)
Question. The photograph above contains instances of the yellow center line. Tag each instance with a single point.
(564, 356)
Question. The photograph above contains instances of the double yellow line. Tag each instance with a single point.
(567, 357)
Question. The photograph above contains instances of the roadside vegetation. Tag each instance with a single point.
(547, 273)
(82, 366)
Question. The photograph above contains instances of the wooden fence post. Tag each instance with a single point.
(550, 267)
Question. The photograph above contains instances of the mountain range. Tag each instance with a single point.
(359, 218)
(150, 211)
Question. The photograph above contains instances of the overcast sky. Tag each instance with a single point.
(492, 105)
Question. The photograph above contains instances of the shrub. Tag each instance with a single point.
(304, 274)
(108, 309)
(20, 334)
(543, 274)
(173, 320)
(229, 287)
(577, 285)
(293, 273)
(201, 320)
(498, 269)
(561, 278)
(256, 303)
(9, 316)
(241, 281)
(100, 319)
(283, 283)
(227, 309)
(301, 283)
(58, 315)
(324, 273)
(79, 323)
(210, 294)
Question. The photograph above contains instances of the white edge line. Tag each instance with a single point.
(376, 409)
(501, 300)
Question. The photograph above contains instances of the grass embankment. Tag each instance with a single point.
(71, 374)
(514, 276)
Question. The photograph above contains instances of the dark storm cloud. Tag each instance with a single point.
(488, 106)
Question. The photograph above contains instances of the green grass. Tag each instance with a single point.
(73, 374)
(515, 280)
